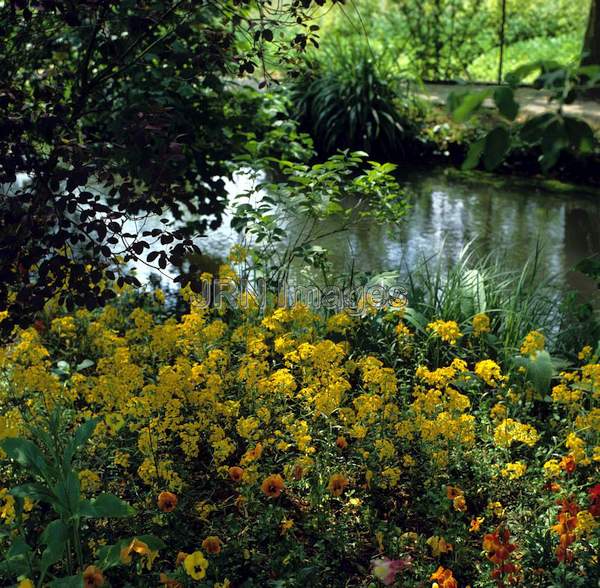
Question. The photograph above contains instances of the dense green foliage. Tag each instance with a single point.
(348, 97)
(446, 39)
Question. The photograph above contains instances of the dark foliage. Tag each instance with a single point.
(111, 112)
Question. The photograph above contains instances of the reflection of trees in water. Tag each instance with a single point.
(581, 239)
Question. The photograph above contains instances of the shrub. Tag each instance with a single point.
(346, 99)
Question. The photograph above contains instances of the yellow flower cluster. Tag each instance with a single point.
(288, 411)
(447, 331)
(534, 341)
(489, 371)
(481, 324)
(510, 431)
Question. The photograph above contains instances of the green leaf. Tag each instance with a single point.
(520, 73)
(67, 493)
(109, 556)
(580, 134)
(539, 370)
(464, 105)
(80, 438)
(497, 144)
(34, 491)
(26, 454)
(55, 537)
(555, 139)
(105, 506)
(533, 130)
(86, 363)
(472, 292)
(415, 318)
(18, 547)
(473, 155)
(68, 582)
(504, 97)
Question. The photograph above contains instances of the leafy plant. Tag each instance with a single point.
(346, 98)
(552, 132)
(47, 461)
(283, 220)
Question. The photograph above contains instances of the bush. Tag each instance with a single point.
(346, 98)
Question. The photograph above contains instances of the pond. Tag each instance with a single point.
(499, 215)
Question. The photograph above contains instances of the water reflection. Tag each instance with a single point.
(499, 216)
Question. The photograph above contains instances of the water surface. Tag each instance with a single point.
(499, 216)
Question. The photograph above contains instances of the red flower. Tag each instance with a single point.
(594, 495)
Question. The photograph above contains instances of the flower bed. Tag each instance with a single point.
(238, 449)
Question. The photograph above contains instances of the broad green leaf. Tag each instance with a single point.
(55, 537)
(539, 370)
(497, 144)
(34, 491)
(464, 105)
(533, 130)
(415, 318)
(472, 293)
(105, 506)
(86, 363)
(80, 438)
(504, 97)
(26, 454)
(554, 140)
(68, 582)
(473, 155)
(580, 134)
(67, 492)
(18, 547)
(109, 556)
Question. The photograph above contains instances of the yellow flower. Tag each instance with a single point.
(26, 583)
(534, 341)
(447, 331)
(514, 471)
(552, 468)
(585, 353)
(510, 431)
(496, 508)
(481, 324)
(586, 523)
(476, 524)
(460, 504)
(7, 506)
(196, 565)
(489, 372)
(142, 549)
(89, 481)
(438, 545)
(286, 525)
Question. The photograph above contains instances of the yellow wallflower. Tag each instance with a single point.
(514, 471)
(447, 331)
(481, 324)
(534, 341)
(438, 545)
(489, 371)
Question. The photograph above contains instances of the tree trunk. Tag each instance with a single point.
(591, 43)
